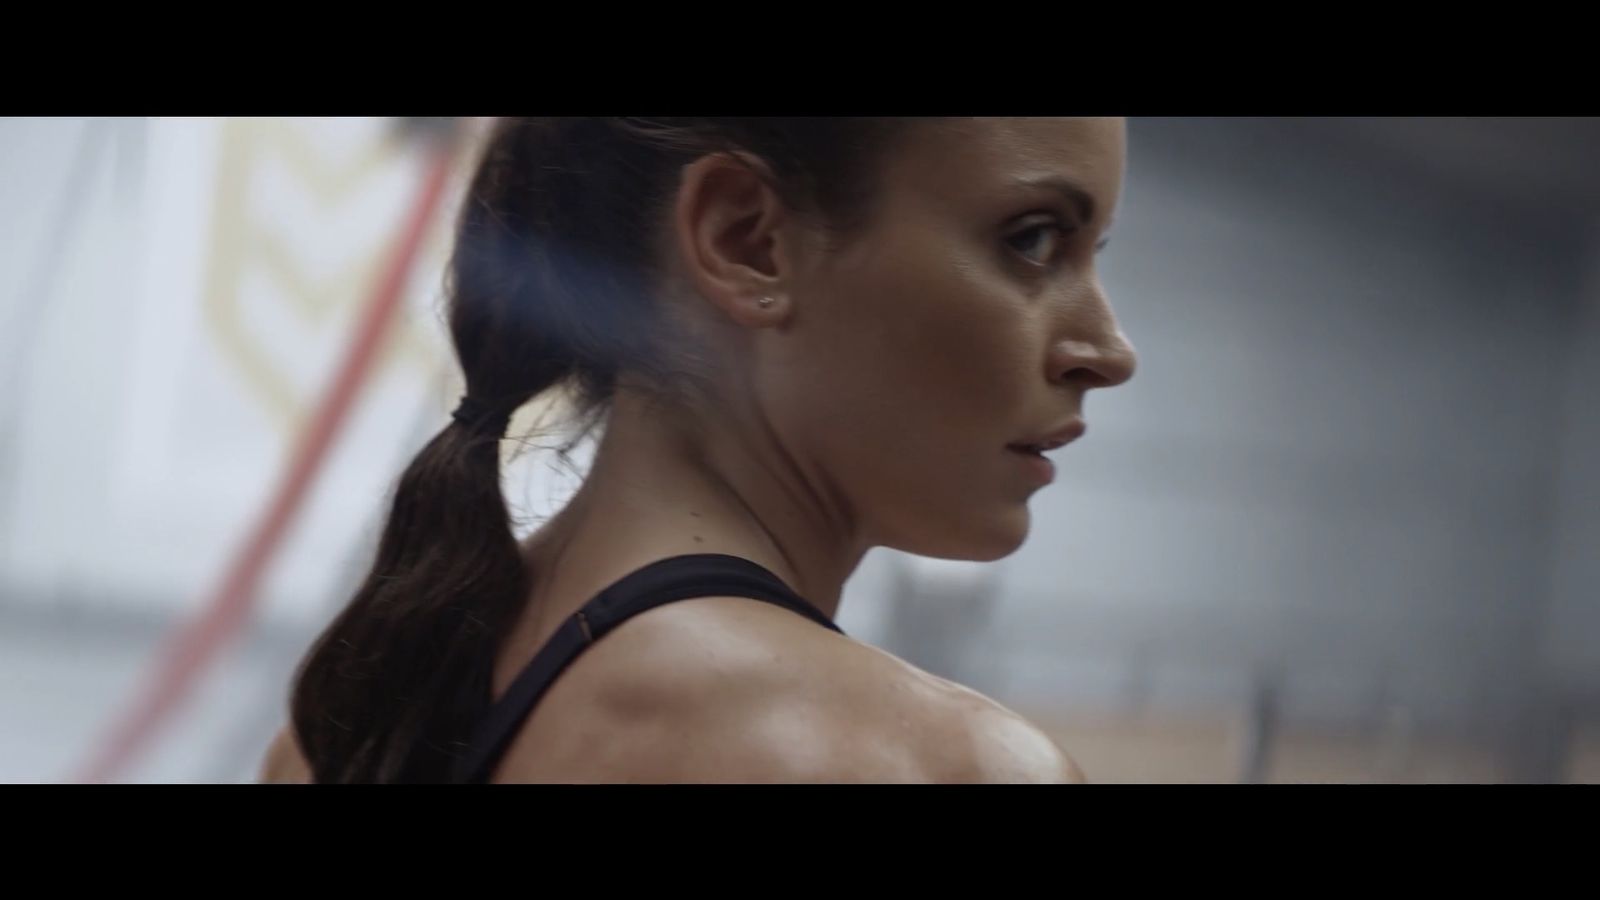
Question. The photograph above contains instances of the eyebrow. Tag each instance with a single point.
(1079, 198)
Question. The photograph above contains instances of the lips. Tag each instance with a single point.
(1060, 437)
(1039, 466)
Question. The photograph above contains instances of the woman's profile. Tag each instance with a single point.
(799, 339)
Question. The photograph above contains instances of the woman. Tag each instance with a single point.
(804, 338)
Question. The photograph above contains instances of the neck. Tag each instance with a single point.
(665, 484)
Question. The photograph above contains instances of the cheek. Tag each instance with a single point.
(941, 349)
(905, 387)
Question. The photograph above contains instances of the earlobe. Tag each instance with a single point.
(763, 311)
(770, 309)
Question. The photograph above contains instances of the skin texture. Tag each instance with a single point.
(870, 403)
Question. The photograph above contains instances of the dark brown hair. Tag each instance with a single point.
(550, 284)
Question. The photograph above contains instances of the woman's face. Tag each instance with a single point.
(963, 318)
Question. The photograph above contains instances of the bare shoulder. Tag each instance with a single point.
(993, 745)
(283, 763)
(727, 690)
(965, 737)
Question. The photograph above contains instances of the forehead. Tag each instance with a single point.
(968, 161)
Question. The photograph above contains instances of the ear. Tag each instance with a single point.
(734, 238)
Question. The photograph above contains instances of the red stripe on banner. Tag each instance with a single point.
(196, 644)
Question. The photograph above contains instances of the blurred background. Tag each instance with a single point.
(1344, 525)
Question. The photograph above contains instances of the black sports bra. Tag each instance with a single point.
(677, 578)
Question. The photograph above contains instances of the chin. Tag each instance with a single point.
(999, 547)
(976, 540)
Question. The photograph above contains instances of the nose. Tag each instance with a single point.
(1092, 349)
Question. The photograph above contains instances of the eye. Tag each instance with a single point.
(1038, 243)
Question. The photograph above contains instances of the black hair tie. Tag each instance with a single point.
(481, 417)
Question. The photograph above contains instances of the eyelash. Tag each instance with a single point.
(1053, 224)
(1063, 233)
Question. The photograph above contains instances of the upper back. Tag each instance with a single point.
(720, 689)
(284, 763)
